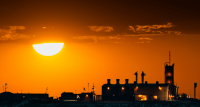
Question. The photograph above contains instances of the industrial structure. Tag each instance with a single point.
(142, 91)
(115, 92)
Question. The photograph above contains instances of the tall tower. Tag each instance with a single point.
(169, 72)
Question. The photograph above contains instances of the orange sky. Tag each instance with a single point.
(101, 40)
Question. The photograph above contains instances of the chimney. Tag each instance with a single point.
(145, 82)
(108, 81)
(143, 74)
(117, 81)
(136, 77)
(157, 82)
(126, 81)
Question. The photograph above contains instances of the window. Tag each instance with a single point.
(86, 95)
(136, 88)
(142, 97)
(155, 97)
(169, 74)
(78, 97)
(160, 88)
(122, 88)
(108, 88)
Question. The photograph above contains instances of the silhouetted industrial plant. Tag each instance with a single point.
(135, 91)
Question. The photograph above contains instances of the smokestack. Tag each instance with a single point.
(143, 74)
(108, 81)
(126, 81)
(117, 81)
(136, 76)
(135, 82)
(157, 82)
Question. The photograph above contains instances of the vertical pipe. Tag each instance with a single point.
(136, 78)
(143, 74)
(195, 85)
(136, 75)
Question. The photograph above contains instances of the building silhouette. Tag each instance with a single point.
(70, 96)
(8, 96)
(142, 91)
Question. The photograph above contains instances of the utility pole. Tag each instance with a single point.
(6, 86)
(46, 90)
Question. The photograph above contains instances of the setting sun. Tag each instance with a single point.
(48, 49)
(75, 46)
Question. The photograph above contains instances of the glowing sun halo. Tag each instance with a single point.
(48, 49)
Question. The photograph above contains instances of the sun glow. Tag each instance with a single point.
(48, 49)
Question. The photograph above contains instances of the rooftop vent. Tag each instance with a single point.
(126, 80)
(108, 81)
(157, 82)
(117, 81)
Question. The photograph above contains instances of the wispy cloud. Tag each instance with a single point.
(157, 32)
(131, 28)
(140, 42)
(141, 34)
(151, 29)
(143, 42)
(97, 38)
(174, 32)
(118, 42)
(101, 28)
(145, 38)
(11, 33)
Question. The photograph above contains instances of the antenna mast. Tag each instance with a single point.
(93, 88)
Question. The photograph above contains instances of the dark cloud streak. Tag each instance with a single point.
(71, 18)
